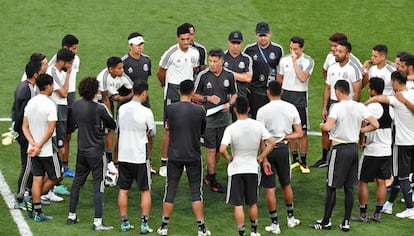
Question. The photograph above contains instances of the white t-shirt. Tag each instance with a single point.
(385, 74)
(59, 78)
(404, 125)
(349, 72)
(179, 65)
(330, 60)
(290, 80)
(244, 137)
(111, 84)
(134, 120)
(39, 111)
(379, 141)
(349, 116)
(73, 73)
(287, 116)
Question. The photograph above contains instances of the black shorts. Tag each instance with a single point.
(167, 102)
(212, 137)
(304, 119)
(405, 160)
(50, 165)
(71, 98)
(372, 168)
(242, 188)
(343, 166)
(128, 172)
(256, 101)
(194, 170)
(279, 159)
(60, 132)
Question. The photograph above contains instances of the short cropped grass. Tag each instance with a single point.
(103, 26)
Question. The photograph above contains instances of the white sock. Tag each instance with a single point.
(72, 216)
(97, 221)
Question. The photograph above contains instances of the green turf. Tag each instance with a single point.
(102, 27)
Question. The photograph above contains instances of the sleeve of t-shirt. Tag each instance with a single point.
(365, 112)
(265, 132)
(151, 122)
(375, 109)
(226, 136)
(106, 117)
(333, 113)
(126, 81)
(282, 66)
(296, 119)
(310, 66)
(52, 113)
(326, 63)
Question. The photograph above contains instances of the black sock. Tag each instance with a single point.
(253, 225)
(378, 209)
(164, 222)
(124, 220)
(289, 208)
(201, 225)
(295, 156)
(273, 217)
(108, 154)
(303, 158)
(38, 208)
(164, 161)
(325, 154)
(242, 230)
(363, 210)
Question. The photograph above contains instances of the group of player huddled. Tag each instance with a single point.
(254, 101)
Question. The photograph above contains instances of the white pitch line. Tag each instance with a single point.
(18, 218)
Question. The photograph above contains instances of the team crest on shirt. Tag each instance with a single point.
(262, 77)
(272, 56)
(226, 64)
(242, 65)
(209, 85)
(145, 67)
(226, 83)
(130, 70)
(255, 57)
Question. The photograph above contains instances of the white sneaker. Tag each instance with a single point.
(111, 168)
(292, 222)
(254, 234)
(387, 208)
(273, 228)
(201, 233)
(163, 171)
(51, 196)
(162, 231)
(407, 213)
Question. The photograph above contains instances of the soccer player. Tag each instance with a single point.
(380, 68)
(245, 137)
(91, 119)
(135, 122)
(70, 42)
(344, 126)
(39, 124)
(294, 74)
(404, 138)
(266, 56)
(330, 60)
(286, 127)
(187, 122)
(407, 65)
(376, 161)
(239, 63)
(177, 64)
(114, 85)
(215, 87)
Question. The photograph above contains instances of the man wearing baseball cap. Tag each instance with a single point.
(266, 56)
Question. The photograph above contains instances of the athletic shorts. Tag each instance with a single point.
(280, 162)
(61, 132)
(304, 119)
(166, 103)
(242, 188)
(405, 160)
(371, 168)
(343, 166)
(128, 172)
(212, 137)
(50, 165)
(194, 171)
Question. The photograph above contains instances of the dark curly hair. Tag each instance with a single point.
(88, 88)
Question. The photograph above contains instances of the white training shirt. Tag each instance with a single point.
(330, 60)
(111, 84)
(380, 140)
(349, 116)
(287, 116)
(244, 137)
(73, 73)
(59, 78)
(404, 125)
(290, 80)
(179, 65)
(39, 111)
(348, 72)
(385, 74)
(134, 120)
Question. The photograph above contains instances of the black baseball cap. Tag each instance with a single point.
(236, 36)
(262, 28)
